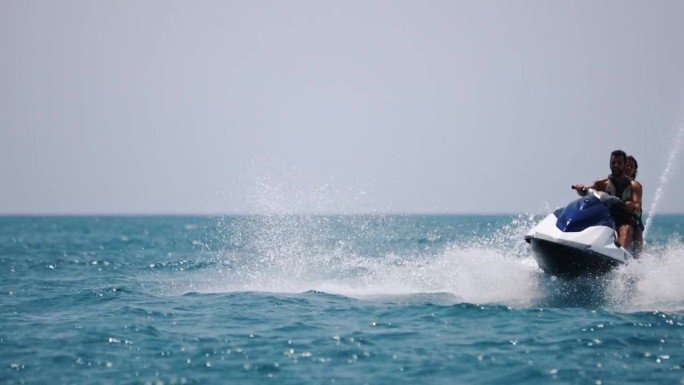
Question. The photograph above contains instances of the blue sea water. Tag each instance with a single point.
(311, 299)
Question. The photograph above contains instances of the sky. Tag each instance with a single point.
(381, 106)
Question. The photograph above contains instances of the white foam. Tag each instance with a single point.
(469, 275)
(654, 282)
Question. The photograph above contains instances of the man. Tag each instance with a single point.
(620, 185)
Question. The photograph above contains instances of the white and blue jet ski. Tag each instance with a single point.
(579, 239)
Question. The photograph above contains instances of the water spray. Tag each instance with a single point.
(664, 177)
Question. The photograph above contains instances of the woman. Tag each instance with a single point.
(631, 166)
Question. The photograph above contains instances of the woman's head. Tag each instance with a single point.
(631, 167)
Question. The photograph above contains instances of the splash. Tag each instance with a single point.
(469, 275)
(289, 246)
(466, 259)
(272, 187)
(409, 258)
(653, 282)
(458, 259)
(665, 177)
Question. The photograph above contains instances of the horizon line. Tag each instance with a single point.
(246, 214)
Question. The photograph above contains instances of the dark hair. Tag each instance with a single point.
(619, 153)
(636, 165)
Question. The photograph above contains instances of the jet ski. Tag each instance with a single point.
(579, 239)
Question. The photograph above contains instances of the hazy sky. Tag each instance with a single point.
(321, 106)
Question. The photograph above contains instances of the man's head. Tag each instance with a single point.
(617, 162)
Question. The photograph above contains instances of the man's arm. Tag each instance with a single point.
(599, 185)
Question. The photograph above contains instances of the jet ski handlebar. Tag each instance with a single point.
(606, 199)
(584, 189)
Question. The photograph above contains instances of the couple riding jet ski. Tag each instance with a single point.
(591, 235)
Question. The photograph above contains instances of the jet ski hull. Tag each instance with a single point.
(579, 239)
(567, 261)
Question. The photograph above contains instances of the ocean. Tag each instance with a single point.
(327, 299)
